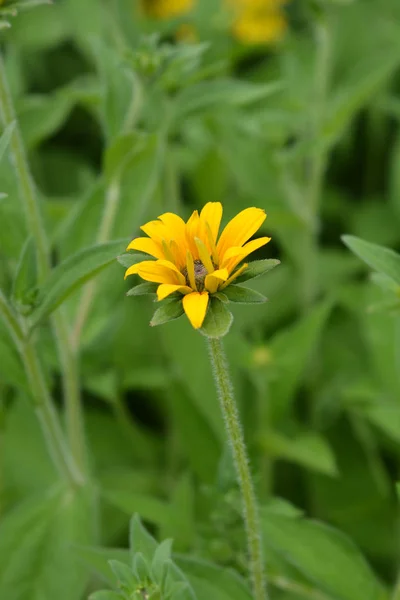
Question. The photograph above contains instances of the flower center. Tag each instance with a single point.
(200, 273)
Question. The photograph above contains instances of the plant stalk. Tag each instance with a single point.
(48, 417)
(111, 205)
(237, 443)
(315, 167)
(35, 225)
(40, 394)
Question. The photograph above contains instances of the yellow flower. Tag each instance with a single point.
(167, 9)
(253, 27)
(190, 257)
(258, 21)
(187, 34)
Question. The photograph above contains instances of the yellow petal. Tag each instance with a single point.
(195, 306)
(152, 270)
(175, 228)
(192, 231)
(233, 256)
(148, 246)
(241, 228)
(212, 245)
(213, 280)
(133, 270)
(165, 289)
(174, 223)
(204, 255)
(211, 213)
(155, 230)
(190, 270)
(233, 277)
(179, 253)
(170, 265)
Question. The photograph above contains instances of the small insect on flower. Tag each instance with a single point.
(193, 262)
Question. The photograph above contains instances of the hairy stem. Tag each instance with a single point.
(35, 225)
(236, 440)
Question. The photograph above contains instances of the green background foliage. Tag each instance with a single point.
(121, 122)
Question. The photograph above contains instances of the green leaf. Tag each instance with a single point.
(11, 369)
(5, 138)
(124, 575)
(143, 289)
(161, 558)
(105, 595)
(291, 349)
(258, 268)
(211, 581)
(97, 560)
(150, 508)
(384, 260)
(40, 116)
(209, 94)
(218, 319)
(170, 310)
(140, 540)
(243, 295)
(322, 554)
(35, 547)
(122, 151)
(27, 4)
(309, 450)
(199, 441)
(130, 258)
(181, 522)
(24, 292)
(72, 274)
(140, 567)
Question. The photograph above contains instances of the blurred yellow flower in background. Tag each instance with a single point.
(187, 33)
(258, 21)
(166, 9)
(190, 257)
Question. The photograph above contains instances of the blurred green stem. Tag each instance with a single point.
(236, 440)
(315, 166)
(41, 397)
(110, 210)
(112, 199)
(35, 226)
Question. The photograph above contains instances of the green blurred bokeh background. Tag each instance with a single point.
(165, 106)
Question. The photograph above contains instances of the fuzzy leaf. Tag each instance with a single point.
(218, 320)
(258, 268)
(124, 575)
(169, 311)
(141, 540)
(142, 289)
(70, 275)
(384, 260)
(129, 259)
(243, 295)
